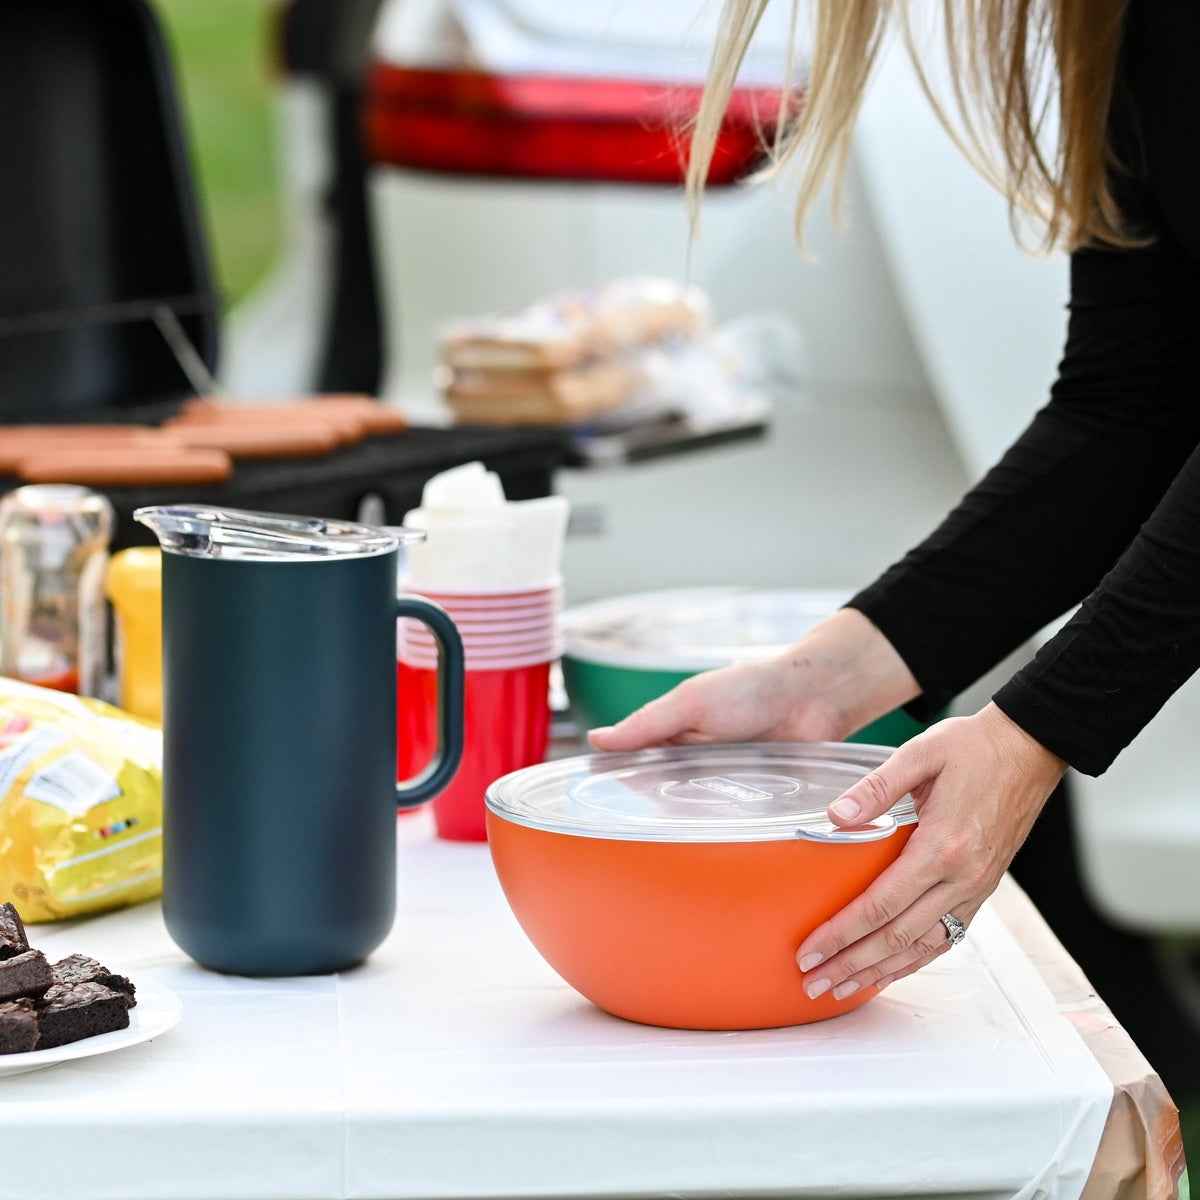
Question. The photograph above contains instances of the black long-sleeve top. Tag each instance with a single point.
(1097, 504)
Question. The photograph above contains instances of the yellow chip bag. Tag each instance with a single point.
(80, 804)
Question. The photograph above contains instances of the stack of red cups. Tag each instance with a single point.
(495, 566)
(510, 640)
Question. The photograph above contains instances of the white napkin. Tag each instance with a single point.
(476, 539)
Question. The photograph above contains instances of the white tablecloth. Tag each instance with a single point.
(455, 1063)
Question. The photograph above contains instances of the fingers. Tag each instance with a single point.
(876, 793)
(879, 929)
(610, 737)
(735, 703)
(662, 721)
(926, 949)
(896, 922)
(931, 944)
(978, 783)
(911, 969)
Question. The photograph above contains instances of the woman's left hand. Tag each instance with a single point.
(978, 783)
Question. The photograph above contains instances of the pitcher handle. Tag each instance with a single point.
(451, 687)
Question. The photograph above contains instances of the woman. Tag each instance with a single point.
(1097, 504)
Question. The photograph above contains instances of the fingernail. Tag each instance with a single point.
(845, 989)
(880, 984)
(817, 988)
(811, 960)
(600, 729)
(846, 808)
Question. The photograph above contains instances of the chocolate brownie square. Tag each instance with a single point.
(12, 933)
(79, 968)
(27, 974)
(70, 1012)
(18, 1026)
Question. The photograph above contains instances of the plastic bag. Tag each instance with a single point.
(80, 804)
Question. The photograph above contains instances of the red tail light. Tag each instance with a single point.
(555, 127)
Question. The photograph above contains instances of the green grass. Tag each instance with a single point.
(223, 54)
(1189, 1120)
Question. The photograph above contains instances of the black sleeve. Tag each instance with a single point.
(1064, 505)
(1134, 640)
(1098, 503)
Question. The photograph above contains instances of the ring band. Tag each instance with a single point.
(955, 929)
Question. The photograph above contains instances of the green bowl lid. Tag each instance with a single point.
(743, 792)
(694, 629)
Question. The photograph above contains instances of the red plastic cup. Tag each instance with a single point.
(506, 726)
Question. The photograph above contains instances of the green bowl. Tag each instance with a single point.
(604, 693)
(623, 652)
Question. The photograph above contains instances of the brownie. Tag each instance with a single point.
(12, 933)
(42, 1006)
(27, 974)
(18, 1026)
(69, 1012)
(79, 968)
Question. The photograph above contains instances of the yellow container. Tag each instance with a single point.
(134, 587)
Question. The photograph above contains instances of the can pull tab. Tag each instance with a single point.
(827, 831)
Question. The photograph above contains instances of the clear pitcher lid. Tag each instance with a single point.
(743, 792)
(204, 531)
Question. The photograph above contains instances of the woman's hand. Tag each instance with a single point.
(978, 783)
(838, 678)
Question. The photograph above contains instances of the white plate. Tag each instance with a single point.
(156, 1010)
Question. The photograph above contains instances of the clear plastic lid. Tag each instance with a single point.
(744, 792)
(206, 531)
(695, 629)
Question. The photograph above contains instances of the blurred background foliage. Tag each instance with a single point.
(227, 67)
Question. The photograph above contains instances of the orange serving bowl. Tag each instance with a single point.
(682, 902)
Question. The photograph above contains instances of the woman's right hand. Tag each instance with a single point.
(838, 678)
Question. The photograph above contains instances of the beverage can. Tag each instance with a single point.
(54, 541)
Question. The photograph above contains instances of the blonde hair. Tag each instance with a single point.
(1014, 65)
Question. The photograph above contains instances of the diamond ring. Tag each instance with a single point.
(955, 929)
